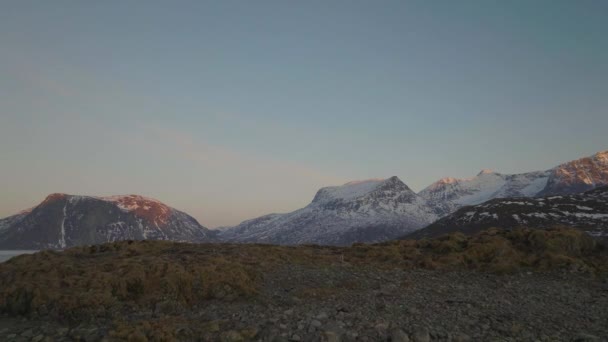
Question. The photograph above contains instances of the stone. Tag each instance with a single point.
(315, 323)
(352, 334)
(584, 337)
(460, 337)
(167, 307)
(37, 338)
(249, 333)
(322, 316)
(295, 337)
(231, 336)
(421, 335)
(412, 311)
(382, 330)
(213, 326)
(331, 336)
(28, 333)
(381, 326)
(398, 335)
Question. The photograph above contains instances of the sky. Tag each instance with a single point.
(229, 110)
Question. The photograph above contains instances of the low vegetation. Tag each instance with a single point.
(108, 280)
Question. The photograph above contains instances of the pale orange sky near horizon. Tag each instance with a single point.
(232, 110)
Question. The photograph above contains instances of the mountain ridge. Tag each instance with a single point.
(368, 210)
(449, 194)
(63, 220)
(586, 211)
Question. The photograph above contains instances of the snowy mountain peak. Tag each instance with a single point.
(357, 189)
(447, 180)
(359, 182)
(348, 191)
(579, 175)
(601, 155)
(368, 210)
(394, 181)
(486, 172)
(150, 209)
(54, 197)
(449, 194)
(63, 220)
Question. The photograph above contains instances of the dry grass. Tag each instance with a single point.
(100, 281)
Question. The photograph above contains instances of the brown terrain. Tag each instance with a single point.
(521, 285)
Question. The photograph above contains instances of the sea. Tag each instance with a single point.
(5, 255)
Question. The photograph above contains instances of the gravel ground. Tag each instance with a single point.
(345, 303)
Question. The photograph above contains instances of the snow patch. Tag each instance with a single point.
(62, 232)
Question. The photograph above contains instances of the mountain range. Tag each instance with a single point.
(377, 210)
(587, 211)
(371, 211)
(449, 194)
(362, 211)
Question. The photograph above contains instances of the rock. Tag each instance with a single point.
(322, 316)
(382, 330)
(62, 331)
(583, 337)
(167, 307)
(37, 338)
(460, 337)
(249, 333)
(352, 335)
(412, 311)
(331, 336)
(295, 337)
(381, 326)
(315, 323)
(288, 312)
(213, 326)
(11, 336)
(28, 333)
(231, 336)
(398, 335)
(421, 335)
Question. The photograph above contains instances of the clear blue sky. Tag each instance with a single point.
(233, 109)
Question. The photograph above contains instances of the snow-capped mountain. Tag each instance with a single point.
(578, 175)
(587, 211)
(447, 195)
(363, 211)
(62, 221)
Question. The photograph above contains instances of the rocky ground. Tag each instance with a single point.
(337, 300)
(342, 303)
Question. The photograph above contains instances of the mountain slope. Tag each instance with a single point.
(449, 194)
(587, 211)
(363, 211)
(62, 221)
(578, 175)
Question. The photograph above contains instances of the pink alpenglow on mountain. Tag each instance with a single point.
(62, 221)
